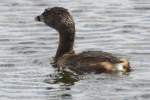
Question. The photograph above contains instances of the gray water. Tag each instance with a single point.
(26, 47)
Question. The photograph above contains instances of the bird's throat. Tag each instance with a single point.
(66, 43)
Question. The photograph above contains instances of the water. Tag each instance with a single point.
(26, 46)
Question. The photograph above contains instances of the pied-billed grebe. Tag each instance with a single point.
(91, 61)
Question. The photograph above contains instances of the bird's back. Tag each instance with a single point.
(89, 61)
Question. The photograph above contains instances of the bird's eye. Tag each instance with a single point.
(46, 9)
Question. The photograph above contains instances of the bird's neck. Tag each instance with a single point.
(66, 43)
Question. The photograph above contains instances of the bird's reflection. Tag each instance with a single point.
(66, 77)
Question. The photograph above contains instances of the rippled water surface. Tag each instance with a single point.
(118, 26)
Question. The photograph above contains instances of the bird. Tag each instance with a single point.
(60, 19)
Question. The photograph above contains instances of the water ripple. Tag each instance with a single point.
(118, 26)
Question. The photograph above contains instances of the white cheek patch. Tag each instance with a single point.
(119, 67)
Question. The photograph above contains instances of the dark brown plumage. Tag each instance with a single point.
(91, 61)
